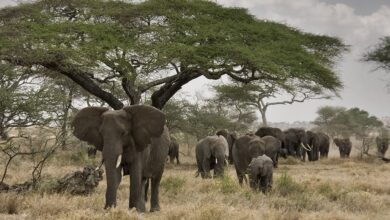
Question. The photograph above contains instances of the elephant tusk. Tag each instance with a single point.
(305, 147)
(119, 160)
(100, 166)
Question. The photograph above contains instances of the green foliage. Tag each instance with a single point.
(227, 185)
(130, 48)
(340, 121)
(381, 54)
(285, 185)
(26, 100)
(172, 185)
(200, 119)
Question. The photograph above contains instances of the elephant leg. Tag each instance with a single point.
(146, 189)
(263, 184)
(113, 179)
(206, 168)
(154, 201)
(276, 160)
(171, 159)
(240, 177)
(177, 159)
(137, 186)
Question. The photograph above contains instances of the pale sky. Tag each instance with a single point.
(359, 23)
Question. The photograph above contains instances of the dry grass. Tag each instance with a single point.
(329, 189)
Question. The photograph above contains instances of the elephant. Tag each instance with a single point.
(344, 145)
(273, 149)
(260, 171)
(296, 142)
(231, 137)
(319, 143)
(174, 151)
(134, 140)
(270, 131)
(382, 146)
(245, 148)
(211, 153)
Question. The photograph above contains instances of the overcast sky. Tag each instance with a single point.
(359, 23)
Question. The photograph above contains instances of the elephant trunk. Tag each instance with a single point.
(112, 156)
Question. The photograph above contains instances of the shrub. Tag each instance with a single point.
(227, 185)
(172, 184)
(285, 185)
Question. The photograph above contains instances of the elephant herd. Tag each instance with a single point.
(134, 141)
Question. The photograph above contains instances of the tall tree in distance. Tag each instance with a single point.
(339, 121)
(119, 50)
(261, 96)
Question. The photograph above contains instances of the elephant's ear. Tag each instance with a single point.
(86, 125)
(146, 122)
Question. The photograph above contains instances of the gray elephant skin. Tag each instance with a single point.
(319, 143)
(260, 171)
(173, 152)
(296, 142)
(270, 131)
(382, 144)
(211, 152)
(250, 146)
(133, 139)
(231, 137)
(344, 145)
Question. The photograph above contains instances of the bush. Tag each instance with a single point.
(172, 184)
(227, 185)
(285, 185)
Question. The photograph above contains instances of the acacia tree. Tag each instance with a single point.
(381, 54)
(261, 96)
(346, 122)
(115, 49)
(24, 100)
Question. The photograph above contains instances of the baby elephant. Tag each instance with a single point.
(260, 173)
(174, 151)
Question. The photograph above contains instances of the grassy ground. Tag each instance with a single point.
(329, 189)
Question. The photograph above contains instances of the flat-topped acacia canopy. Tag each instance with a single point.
(119, 50)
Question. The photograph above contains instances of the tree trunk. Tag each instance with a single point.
(263, 116)
(64, 127)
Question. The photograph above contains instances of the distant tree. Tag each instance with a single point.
(25, 100)
(120, 49)
(380, 55)
(340, 121)
(261, 96)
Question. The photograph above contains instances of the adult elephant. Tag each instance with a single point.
(274, 132)
(296, 142)
(211, 152)
(344, 145)
(319, 143)
(273, 149)
(174, 151)
(244, 150)
(230, 137)
(382, 145)
(133, 139)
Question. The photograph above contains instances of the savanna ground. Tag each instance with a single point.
(333, 188)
